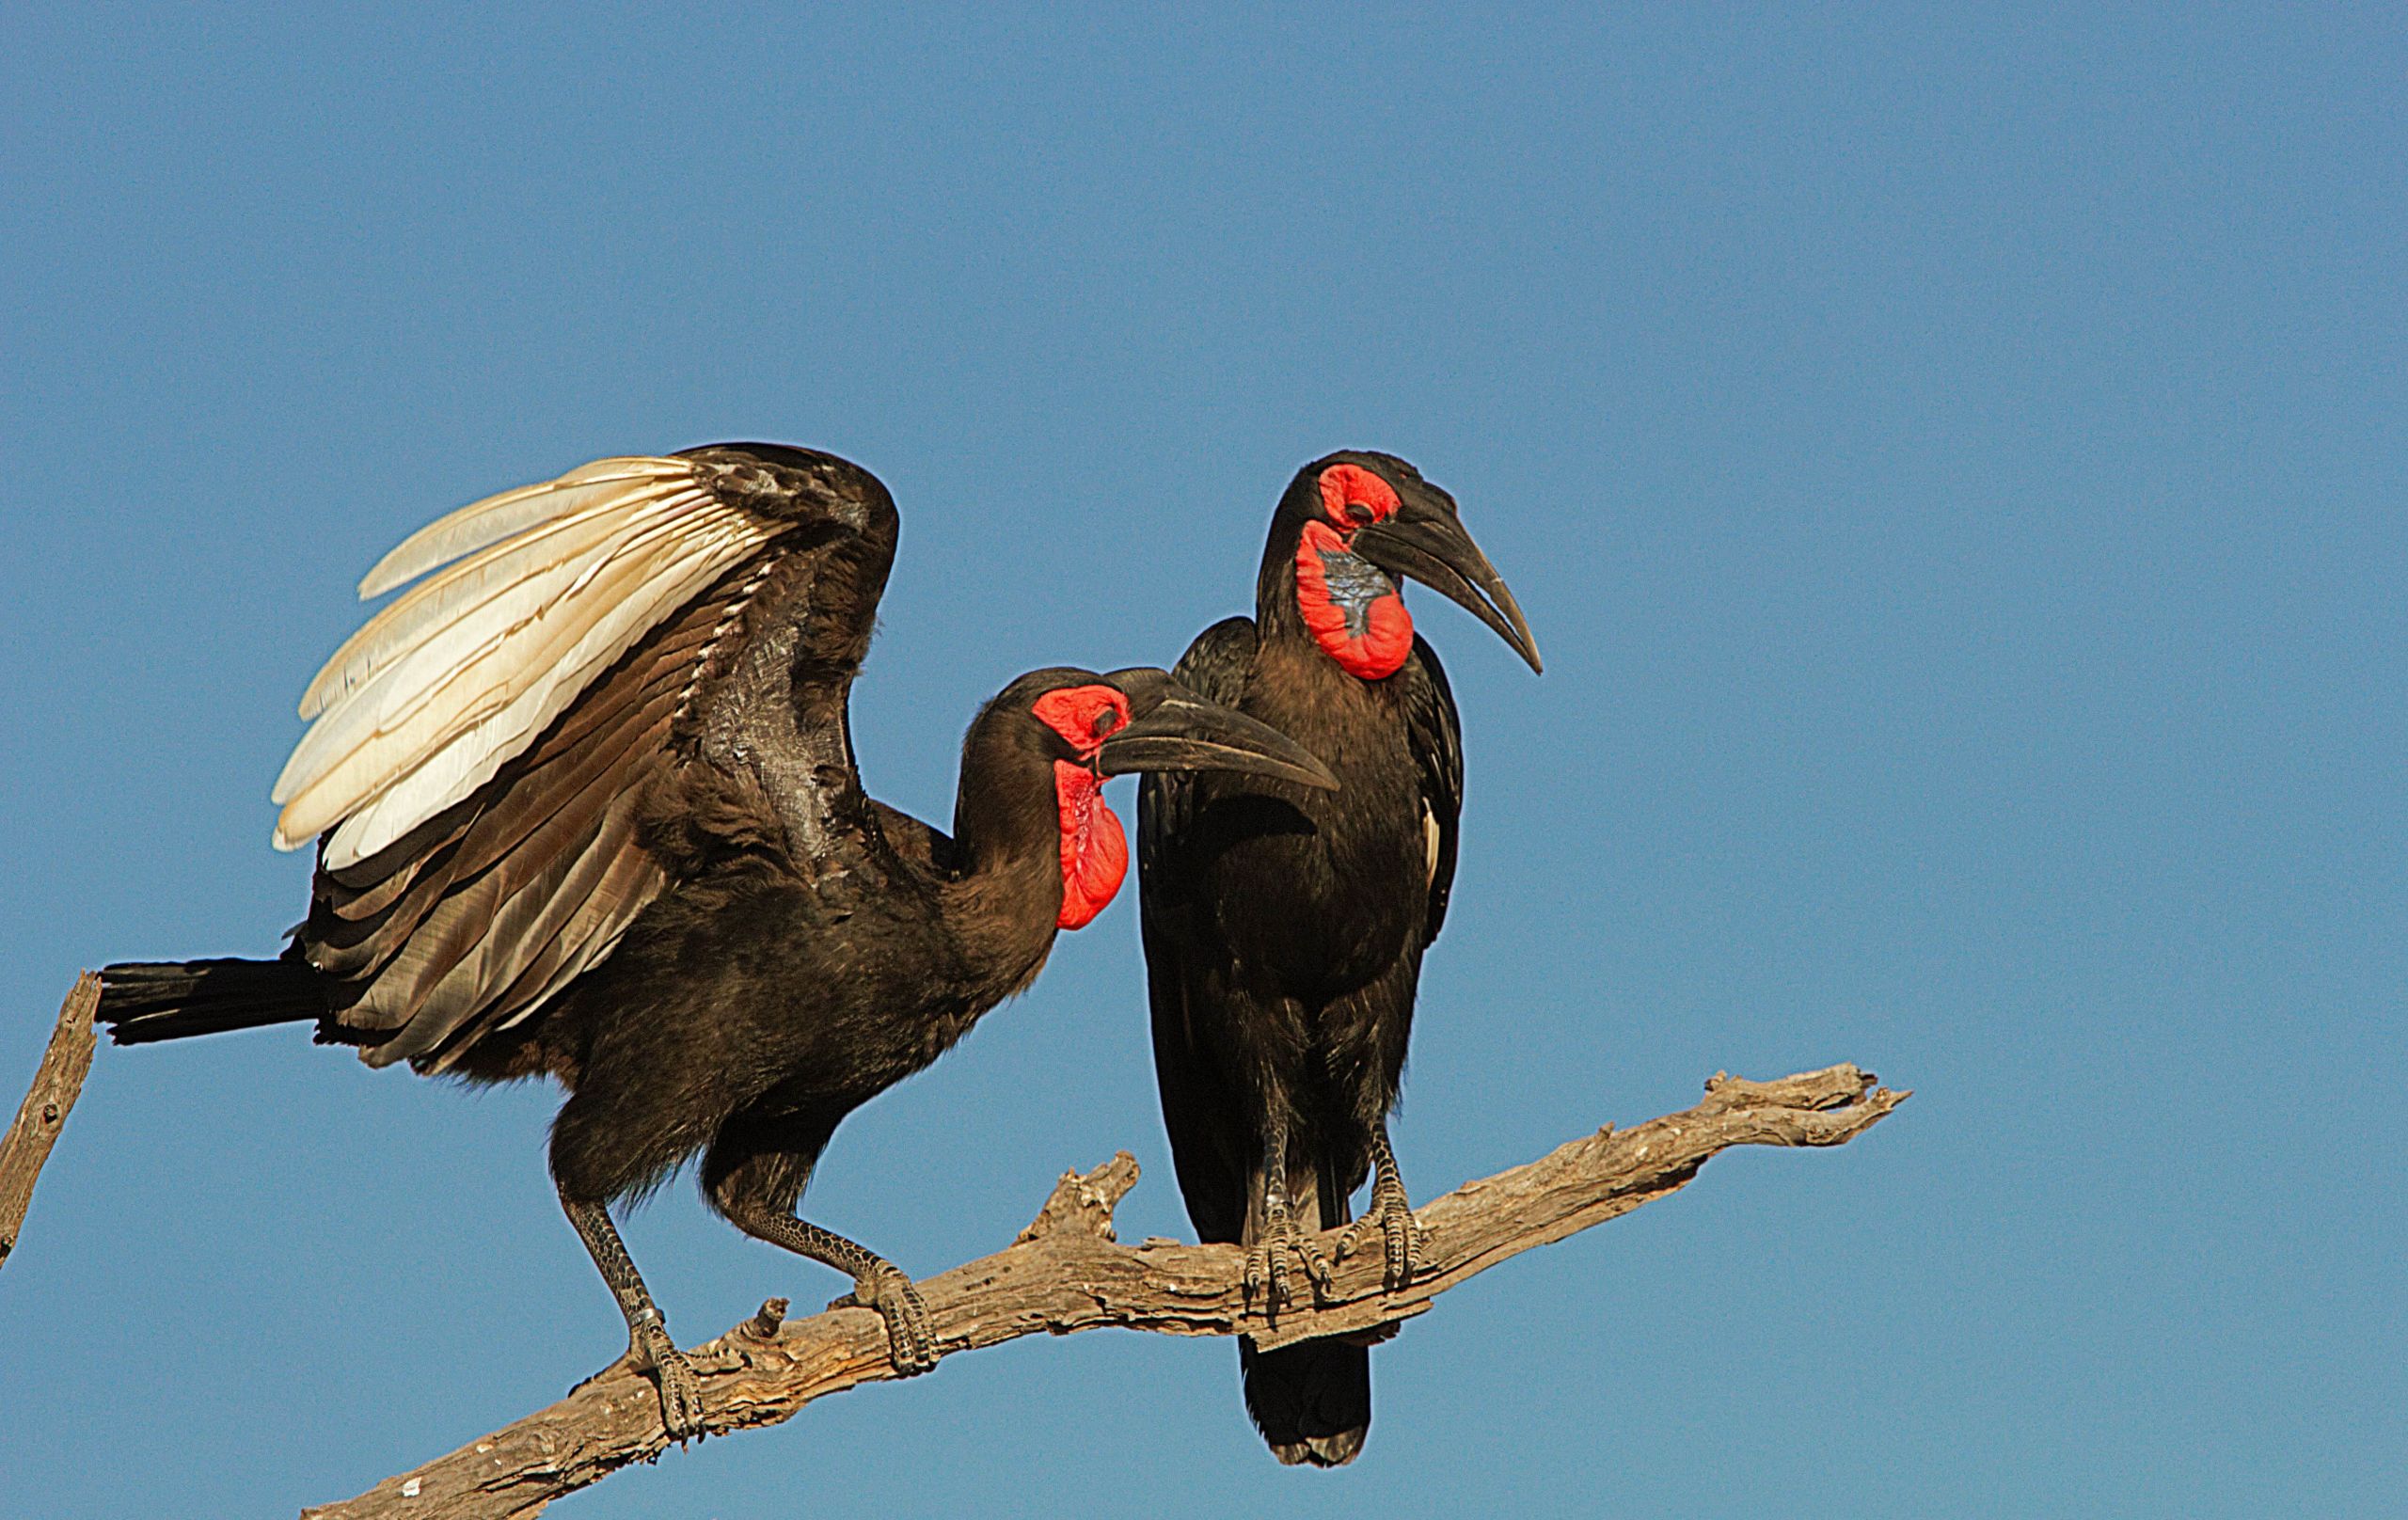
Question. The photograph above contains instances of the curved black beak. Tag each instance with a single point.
(1429, 544)
(1183, 732)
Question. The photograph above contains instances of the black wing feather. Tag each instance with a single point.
(1435, 735)
(1209, 1142)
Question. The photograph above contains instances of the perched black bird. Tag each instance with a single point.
(585, 805)
(1284, 926)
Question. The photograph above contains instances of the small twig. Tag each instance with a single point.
(1064, 1274)
(43, 1114)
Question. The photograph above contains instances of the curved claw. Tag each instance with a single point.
(1403, 1241)
(1267, 1266)
(910, 1340)
(1317, 1266)
(651, 1350)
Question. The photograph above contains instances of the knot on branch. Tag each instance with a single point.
(1082, 1204)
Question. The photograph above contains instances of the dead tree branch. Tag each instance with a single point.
(43, 1114)
(1064, 1274)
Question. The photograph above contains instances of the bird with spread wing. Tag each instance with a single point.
(585, 807)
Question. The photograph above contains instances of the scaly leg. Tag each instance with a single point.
(1266, 1261)
(878, 1284)
(649, 1348)
(754, 1174)
(1390, 1214)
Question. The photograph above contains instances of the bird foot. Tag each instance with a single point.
(650, 1351)
(1267, 1275)
(1403, 1239)
(910, 1340)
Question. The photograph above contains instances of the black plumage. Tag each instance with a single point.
(675, 897)
(1285, 927)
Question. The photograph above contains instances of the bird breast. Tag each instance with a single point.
(1319, 888)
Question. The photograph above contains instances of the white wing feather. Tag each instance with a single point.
(404, 716)
(486, 736)
(496, 517)
(438, 601)
(445, 657)
(430, 699)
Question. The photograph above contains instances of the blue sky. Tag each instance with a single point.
(1952, 462)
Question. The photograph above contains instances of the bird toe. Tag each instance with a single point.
(681, 1392)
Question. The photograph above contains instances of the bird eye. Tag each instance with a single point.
(1352, 496)
(1106, 722)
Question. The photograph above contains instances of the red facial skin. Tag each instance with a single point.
(1350, 498)
(1343, 486)
(1095, 850)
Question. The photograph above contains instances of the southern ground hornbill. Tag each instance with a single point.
(585, 805)
(1284, 926)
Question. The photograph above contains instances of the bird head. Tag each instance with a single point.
(1349, 526)
(1079, 728)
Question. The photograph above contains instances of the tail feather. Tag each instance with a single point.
(1312, 1401)
(146, 1001)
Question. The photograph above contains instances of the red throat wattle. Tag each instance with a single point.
(1352, 609)
(1095, 852)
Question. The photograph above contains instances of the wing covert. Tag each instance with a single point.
(484, 746)
(1433, 731)
(1214, 667)
(1210, 1145)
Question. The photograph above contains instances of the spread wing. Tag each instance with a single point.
(1210, 1143)
(483, 747)
(1435, 735)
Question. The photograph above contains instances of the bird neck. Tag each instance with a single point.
(1005, 900)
